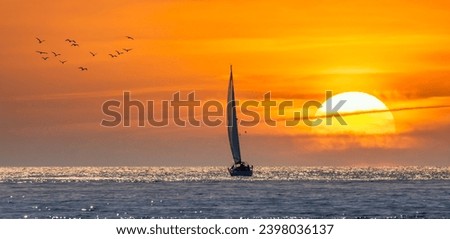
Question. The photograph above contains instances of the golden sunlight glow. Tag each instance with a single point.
(361, 114)
(397, 51)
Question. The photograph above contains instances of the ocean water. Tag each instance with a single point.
(209, 192)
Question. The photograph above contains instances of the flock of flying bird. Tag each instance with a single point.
(45, 55)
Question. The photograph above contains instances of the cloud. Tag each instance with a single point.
(373, 111)
(331, 115)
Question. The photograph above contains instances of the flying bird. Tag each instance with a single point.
(83, 68)
(93, 53)
(131, 38)
(56, 54)
(40, 40)
(70, 40)
(41, 52)
(75, 44)
(112, 55)
(127, 49)
(62, 62)
(45, 58)
(119, 52)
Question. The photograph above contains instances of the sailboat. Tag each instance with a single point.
(239, 168)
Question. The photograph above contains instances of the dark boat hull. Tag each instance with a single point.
(241, 170)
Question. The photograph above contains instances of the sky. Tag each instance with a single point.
(50, 113)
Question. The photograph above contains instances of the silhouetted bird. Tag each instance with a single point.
(127, 49)
(83, 68)
(93, 53)
(41, 52)
(119, 52)
(131, 38)
(112, 55)
(45, 58)
(40, 40)
(70, 40)
(75, 44)
(55, 54)
(62, 62)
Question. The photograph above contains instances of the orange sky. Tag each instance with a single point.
(397, 51)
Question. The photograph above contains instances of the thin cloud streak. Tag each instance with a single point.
(369, 112)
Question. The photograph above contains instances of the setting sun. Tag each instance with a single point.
(361, 114)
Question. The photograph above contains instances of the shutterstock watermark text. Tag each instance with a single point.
(190, 111)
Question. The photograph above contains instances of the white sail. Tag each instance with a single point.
(233, 135)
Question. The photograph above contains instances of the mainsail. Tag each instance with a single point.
(233, 135)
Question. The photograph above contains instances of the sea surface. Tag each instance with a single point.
(209, 192)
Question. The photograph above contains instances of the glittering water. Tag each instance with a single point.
(209, 192)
